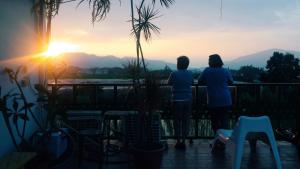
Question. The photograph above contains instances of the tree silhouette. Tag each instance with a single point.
(248, 74)
(94, 70)
(282, 68)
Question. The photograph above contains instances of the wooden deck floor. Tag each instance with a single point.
(198, 156)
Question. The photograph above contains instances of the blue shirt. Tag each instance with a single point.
(181, 82)
(217, 80)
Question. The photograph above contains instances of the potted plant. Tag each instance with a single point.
(148, 151)
(53, 140)
(148, 154)
(15, 105)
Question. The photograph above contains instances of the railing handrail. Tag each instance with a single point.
(164, 84)
(199, 108)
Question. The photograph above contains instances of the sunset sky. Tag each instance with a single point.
(190, 27)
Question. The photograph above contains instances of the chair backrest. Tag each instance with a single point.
(247, 124)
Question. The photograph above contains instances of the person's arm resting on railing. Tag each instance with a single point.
(202, 78)
(230, 79)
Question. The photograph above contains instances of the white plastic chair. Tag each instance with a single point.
(237, 137)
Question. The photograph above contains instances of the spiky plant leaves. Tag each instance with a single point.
(132, 67)
(100, 8)
(41, 89)
(10, 74)
(164, 3)
(8, 70)
(21, 69)
(51, 5)
(144, 22)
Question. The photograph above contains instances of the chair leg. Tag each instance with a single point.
(274, 149)
(238, 153)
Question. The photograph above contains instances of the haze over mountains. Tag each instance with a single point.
(84, 60)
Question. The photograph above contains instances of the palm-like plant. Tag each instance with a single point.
(143, 25)
(100, 9)
(54, 70)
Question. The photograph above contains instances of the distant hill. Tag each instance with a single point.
(258, 59)
(84, 60)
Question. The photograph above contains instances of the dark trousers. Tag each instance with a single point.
(219, 117)
(182, 113)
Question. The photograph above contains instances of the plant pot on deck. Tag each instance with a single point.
(54, 147)
(148, 156)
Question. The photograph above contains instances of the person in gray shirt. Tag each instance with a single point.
(181, 82)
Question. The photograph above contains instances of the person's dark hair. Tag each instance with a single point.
(215, 61)
(183, 62)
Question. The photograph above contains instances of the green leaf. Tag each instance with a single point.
(15, 119)
(28, 106)
(23, 117)
(15, 104)
(9, 114)
(42, 89)
(8, 70)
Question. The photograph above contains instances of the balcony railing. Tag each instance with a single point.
(280, 101)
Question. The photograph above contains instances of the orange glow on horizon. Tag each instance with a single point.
(57, 48)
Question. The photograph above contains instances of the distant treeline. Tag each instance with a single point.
(280, 68)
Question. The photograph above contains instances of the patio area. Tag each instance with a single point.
(198, 156)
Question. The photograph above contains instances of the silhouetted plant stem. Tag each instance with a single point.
(139, 37)
(135, 33)
(9, 128)
(143, 60)
(26, 108)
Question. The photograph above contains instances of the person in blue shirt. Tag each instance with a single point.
(181, 82)
(217, 80)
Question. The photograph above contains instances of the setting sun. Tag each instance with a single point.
(57, 48)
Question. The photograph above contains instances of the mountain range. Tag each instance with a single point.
(84, 60)
(258, 59)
